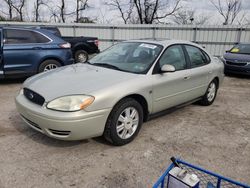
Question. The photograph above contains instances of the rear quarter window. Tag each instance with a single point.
(15, 36)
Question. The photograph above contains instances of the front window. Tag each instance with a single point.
(174, 55)
(135, 57)
(241, 49)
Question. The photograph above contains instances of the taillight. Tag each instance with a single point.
(65, 45)
(97, 43)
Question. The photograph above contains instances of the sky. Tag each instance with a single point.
(104, 14)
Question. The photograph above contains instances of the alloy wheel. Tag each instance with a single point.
(127, 123)
(50, 67)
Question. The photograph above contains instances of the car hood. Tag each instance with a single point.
(75, 79)
(238, 57)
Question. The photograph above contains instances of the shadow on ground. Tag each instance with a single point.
(12, 81)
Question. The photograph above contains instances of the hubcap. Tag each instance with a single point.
(50, 67)
(211, 92)
(82, 58)
(127, 123)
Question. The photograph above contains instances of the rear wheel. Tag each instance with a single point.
(48, 65)
(124, 122)
(211, 93)
(81, 56)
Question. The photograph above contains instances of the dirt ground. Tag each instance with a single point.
(215, 137)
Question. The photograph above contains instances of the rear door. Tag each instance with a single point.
(200, 68)
(23, 50)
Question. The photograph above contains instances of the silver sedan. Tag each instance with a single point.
(119, 89)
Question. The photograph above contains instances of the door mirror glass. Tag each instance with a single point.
(167, 68)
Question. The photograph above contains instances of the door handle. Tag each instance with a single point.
(210, 72)
(186, 77)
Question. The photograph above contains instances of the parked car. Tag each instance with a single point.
(119, 89)
(81, 47)
(24, 52)
(237, 59)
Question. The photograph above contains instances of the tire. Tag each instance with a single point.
(118, 117)
(211, 93)
(48, 65)
(81, 56)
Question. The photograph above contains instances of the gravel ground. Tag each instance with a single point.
(215, 137)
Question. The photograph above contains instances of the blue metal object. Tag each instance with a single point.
(205, 177)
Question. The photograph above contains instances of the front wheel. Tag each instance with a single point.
(124, 122)
(211, 93)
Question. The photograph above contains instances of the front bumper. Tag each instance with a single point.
(244, 70)
(62, 125)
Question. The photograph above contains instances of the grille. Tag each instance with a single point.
(33, 96)
(236, 64)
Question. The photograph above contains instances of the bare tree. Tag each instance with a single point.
(37, 5)
(18, 5)
(80, 6)
(125, 8)
(149, 11)
(54, 14)
(229, 9)
(10, 8)
(189, 16)
(144, 11)
(183, 17)
(62, 11)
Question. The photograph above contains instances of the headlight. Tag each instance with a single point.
(70, 103)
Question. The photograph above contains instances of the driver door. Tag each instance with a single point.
(171, 88)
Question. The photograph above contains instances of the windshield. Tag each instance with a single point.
(135, 57)
(241, 49)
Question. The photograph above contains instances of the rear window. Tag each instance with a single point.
(16, 36)
(241, 49)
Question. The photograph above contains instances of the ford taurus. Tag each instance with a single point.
(119, 89)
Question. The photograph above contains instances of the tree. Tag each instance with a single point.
(144, 11)
(124, 8)
(189, 16)
(10, 8)
(37, 5)
(150, 11)
(18, 6)
(62, 11)
(183, 17)
(80, 6)
(54, 14)
(228, 9)
(2, 18)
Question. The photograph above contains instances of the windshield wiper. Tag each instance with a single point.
(107, 66)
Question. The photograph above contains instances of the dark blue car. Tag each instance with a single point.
(24, 52)
(237, 59)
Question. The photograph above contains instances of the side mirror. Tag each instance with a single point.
(167, 68)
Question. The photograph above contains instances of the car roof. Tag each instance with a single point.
(164, 42)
